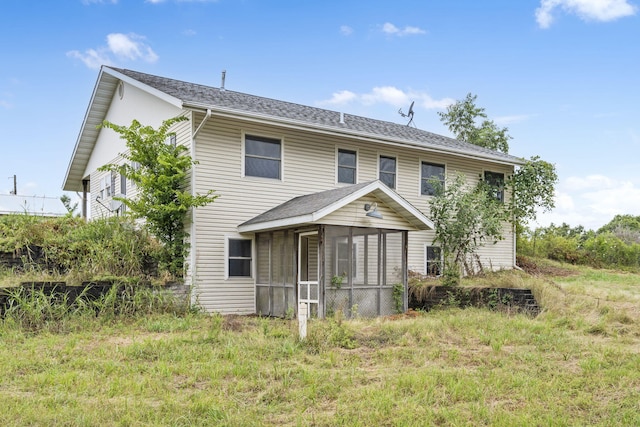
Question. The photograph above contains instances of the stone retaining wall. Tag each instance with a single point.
(506, 299)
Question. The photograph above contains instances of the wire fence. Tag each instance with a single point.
(31, 205)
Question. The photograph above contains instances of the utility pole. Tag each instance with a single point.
(15, 186)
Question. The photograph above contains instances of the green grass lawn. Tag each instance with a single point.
(577, 363)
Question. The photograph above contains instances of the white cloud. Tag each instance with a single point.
(507, 120)
(385, 95)
(389, 28)
(189, 32)
(119, 46)
(388, 95)
(5, 104)
(341, 98)
(130, 46)
(346, 30)
(587, 10)
(592, 201)
(91, 58)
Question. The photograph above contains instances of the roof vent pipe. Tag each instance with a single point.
(341, 118)
(224, 74)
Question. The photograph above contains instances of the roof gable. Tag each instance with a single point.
(313, 208)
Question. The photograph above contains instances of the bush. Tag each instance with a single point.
(108, 247)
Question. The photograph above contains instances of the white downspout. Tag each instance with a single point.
(192, 228)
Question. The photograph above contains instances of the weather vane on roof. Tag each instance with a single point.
(409, 114)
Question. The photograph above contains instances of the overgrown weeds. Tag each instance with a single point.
(36, 310)
(78, 250)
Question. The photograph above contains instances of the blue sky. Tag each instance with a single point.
(562, 75)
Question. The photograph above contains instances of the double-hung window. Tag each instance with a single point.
(239, 258)
(495, 181)
(432, 261)
(262, 157)
(430, 172)
(347, 166)
(388, 171)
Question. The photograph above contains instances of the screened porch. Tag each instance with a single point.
(331, 268)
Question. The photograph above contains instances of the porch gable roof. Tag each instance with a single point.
(311, 208)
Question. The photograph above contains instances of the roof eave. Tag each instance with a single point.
(331, 130)
(106, 83)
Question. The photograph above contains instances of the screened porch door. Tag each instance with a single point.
(308, 272)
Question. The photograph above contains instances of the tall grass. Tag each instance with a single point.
(78, 250)
(37, 310)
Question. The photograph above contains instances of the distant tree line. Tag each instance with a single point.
(616, 244)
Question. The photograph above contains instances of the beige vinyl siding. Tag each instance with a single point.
(308, 165)
(354, 215)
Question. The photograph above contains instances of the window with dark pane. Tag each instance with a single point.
(347, 166)
(262, 157)
(429, 172)
(388, 171)
(433, 261)
(239, 258)
(495, 181)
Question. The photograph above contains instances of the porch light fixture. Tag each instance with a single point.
(372, 210)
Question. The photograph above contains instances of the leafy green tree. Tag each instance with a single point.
(464, 219)
(532, 184)
(462, 120)
(160, 171)
(533, 187)
(625, 227)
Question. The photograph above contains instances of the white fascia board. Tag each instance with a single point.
(139, 85)
(327, 130)
(280, 223)
(346, 200)
(81, 139)
(406, 205)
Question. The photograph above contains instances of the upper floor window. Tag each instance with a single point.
(388, 171)
(262, 157)
(123, 185)
(495, 180)
(429, 172)
(347, 161)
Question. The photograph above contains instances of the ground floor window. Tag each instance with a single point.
(432, 260)
(239, 257)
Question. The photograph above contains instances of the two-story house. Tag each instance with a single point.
(314, 206)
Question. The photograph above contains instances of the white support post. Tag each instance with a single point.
(303, 313)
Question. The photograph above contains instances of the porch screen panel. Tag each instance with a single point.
(290, 269)
(392, 272)
(278, 305)
(263, 261)
(275, 283)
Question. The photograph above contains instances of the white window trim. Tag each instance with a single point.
(425, 268)
(378, 167)
(355, 150)
(243, 152)
(226, 257)
(433, 162)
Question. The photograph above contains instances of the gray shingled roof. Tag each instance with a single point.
(312, 208)
(307, 204)
(192, 94)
